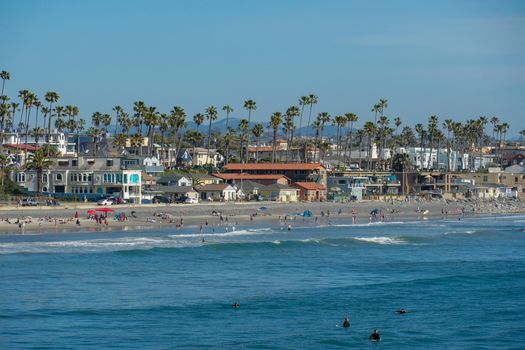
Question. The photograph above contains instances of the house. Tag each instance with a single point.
(88, 177)
(220, 192)
(174, 179)
(200, 158)
(315, 172)
(204, 179)
(361, 183)
(311, 191)
(179, 192)
(279, 193)
(249, 190)
(344, 188)
(265, 179)
(512, 177)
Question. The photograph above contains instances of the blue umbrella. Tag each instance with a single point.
(263, 208)
(307, 214)
(374, 211)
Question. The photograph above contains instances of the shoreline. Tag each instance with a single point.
(60, 220)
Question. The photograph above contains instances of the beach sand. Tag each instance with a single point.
(62, 219)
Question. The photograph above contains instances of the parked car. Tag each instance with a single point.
(106, 201)
(28, 202)
(191, 201)
(162, 199)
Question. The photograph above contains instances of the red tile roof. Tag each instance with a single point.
(274, 166)
(313, 186)
(29, 148)
(245, 176)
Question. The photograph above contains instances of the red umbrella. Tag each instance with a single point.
(76, 215)
(92, 212)
(105, 210)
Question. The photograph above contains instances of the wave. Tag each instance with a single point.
(382, 240)
(248, 232)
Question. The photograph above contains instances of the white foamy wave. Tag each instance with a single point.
(381, 240)
(378, 223)
(466, 232)
(259, 231)
(94, 245)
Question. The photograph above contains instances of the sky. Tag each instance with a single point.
(454, 59)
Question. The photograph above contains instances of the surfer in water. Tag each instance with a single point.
(236, 305)
(401, 311)
(346, 322)
(375, 336)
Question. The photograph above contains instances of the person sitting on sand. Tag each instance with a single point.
(375, 336)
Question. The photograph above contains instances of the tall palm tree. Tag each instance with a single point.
(118, 110)
(228, 138)
(4, 75)
(194, 137)
(448, 124)
(51, 97)
(177, 121)
(39, 163)
(350, 118)
(120, 140)
(37, 132)
(382, 132)
(81, 125)
(211, 115)
(376, 110)
(164, 121)
(275, 121)
(312, 100)
(339, 121)
(303, 102)
(420, 130)
(228, 109)
(14, 108)
(249, 105)
(383, 104)
(139, 107)
(495, 122)
(151, 119)
(370, 130)
(198, 119)
(257, 131)
(244, 124)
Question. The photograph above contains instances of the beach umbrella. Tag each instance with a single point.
(307, 214)
(92, 212)
(263, 208)
(105, 210)
(76, 215)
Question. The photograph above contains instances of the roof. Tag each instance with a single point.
(201, 176)
(245, 176)
(214, 187)
(278, 187)
(24, 147)
(173, 177)
(274, 166)
(175, 189)
(515, 169)
(313, 186)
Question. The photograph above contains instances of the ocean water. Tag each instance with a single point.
(462, 282)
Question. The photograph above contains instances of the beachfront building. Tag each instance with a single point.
(314, 172)
(200, 158)
(422, 158)
(57, 139)
(177, 193)
(512, 179)
(363, 184)
(264, 179)
(279, 193)
(218, 193)
(346, 187)
(84, 177)
(311, 191)
(174, 179)
(200, 179)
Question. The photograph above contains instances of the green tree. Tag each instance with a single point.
(211, 115)
(370, 130)
(351, 118)
(4, 75)
(228, 109)
(95, 133)
(51, 97)
(312, 100)
(257, 131)
(38, 162)
(275, 121)
(244, 124)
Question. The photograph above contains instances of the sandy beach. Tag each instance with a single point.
(34, 220)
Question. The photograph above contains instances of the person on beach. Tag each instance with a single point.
(375, 336)
(289, 227)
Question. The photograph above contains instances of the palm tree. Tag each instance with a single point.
(249, 105)
(432, 129)
(495, 122)
(5, 113)
(14, 107)
(376, 110)
(120, 140)
(275, 121)
(522, 133)
(291, 113)
(51, 97)
(258, 131)
(422, 135)
(194, 137)
(118, 110)
(324, 118)
(95, 133)
(303, 102)
(350, 118)
(4, 163)
(360, 138)
(39, 163)
(5, 76)
(177, 121)
(370, 130)
(312, 100)
(81, 125)
(163, 127)
(136, 140)
(211, 115)
(228, 138)
(448, 124)
(382, 132)
(139, 107)
(151, 119)
(339, 121)
(228, 109)
(244, 124)
(198, 119)
(383, 104)
(37, 132)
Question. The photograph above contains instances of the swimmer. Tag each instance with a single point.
(375, 336)
(289, 227)
(346, 322)
(236, 305)
(401, 311)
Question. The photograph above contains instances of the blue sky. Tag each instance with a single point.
(458, 59)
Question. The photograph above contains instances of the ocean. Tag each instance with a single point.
(462, 283)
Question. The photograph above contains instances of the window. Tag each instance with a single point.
(75, 178)
(485, 178)
(109, 162)
(74, 162)
(58, 177)
(105, 178)
(84, 177)
(516, 179)
(44, 177)
(63, 163)
(90, 177)
(341, 182)
(125, 178)
(20, 177)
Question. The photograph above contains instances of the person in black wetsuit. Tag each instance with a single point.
(375, 336)
(236, 305)
(346, 322)
(401, 311)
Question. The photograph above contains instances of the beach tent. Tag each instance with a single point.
(92, 212)
(105, 210)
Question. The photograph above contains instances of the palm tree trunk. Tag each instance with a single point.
(209, 142)
(257, 150)
(274, 144)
